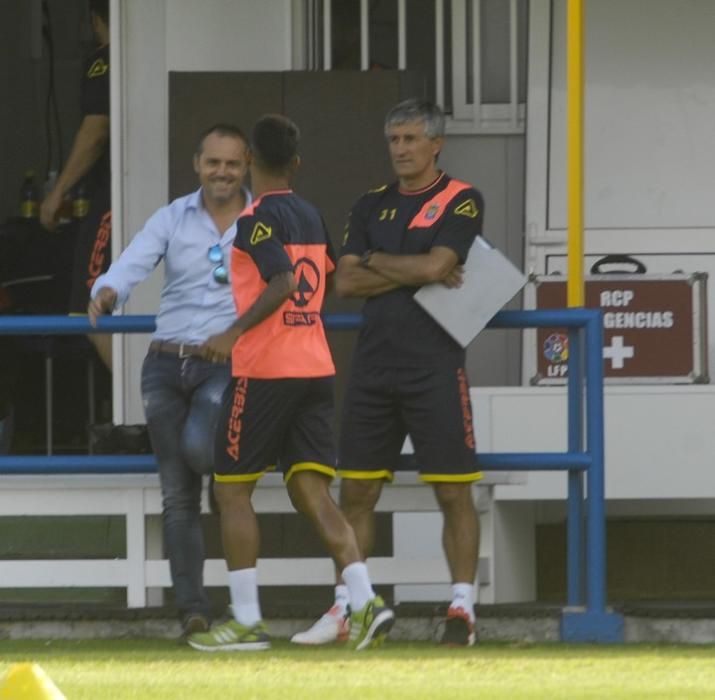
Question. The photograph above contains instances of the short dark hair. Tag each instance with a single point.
(274, 142)
(417, 110)
(101, 9)
(221, 129)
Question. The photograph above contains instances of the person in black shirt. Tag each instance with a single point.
(408, 375)
(88, 162)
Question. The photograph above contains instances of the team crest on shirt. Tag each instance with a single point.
(467, 208)
(99, 67)
(307, 277)
(260, 233)
(431, 213)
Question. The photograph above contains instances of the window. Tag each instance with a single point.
(472, 52)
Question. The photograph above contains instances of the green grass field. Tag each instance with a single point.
(160, 669)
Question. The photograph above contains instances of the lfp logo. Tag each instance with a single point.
(556, 348)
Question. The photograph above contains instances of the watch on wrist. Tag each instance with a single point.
(365, 258)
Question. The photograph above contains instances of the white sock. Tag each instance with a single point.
(463, 597)
(243, 584)
(358, 583)
(342, 598)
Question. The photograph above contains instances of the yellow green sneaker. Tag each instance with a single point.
(232, 636)
(369, 626)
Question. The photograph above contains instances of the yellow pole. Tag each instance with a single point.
(574, 131)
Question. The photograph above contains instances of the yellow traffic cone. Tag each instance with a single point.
(28, 682)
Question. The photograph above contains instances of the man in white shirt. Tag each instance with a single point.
(181, 390)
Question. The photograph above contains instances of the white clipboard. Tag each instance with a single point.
(490, 281)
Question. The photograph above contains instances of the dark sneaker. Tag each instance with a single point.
(459, 630)
(194, 623)
(369, 626)
(232, 636)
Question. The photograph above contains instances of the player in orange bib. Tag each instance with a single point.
(278, 409)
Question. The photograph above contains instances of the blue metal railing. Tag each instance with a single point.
(585, 574)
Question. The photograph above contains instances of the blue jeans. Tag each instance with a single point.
(182, 399)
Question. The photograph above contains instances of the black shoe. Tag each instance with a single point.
(458, 629)
(193, 623)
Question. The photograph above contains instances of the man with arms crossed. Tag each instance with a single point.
(408, 375)
(278, 408)
(181, 390)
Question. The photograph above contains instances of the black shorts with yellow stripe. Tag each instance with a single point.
(385, 404)
(92, 253)
(275, 424)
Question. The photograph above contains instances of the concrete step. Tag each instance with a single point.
(652, 622)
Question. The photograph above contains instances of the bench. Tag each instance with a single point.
(143, 573)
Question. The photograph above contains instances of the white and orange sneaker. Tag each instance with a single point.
(333, 626)
(459, 629)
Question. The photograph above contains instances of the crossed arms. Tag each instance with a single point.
(384, 272)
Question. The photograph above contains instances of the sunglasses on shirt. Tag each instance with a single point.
(220, 273)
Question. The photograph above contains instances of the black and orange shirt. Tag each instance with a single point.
(396, 330)
(281, 232)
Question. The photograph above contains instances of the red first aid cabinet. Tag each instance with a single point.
(654, 327)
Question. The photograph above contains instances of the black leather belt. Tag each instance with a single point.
(181, 349)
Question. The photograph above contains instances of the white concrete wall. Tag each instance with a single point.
(228, 35)
(649, 138)
(658, 462)
(649, 141)
(650, 100)
(142, 184)
(659, 439)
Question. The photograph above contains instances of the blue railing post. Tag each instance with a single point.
(575, 505)
(594, 623)
(596, 585)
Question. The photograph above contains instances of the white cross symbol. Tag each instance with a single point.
(616, 352)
